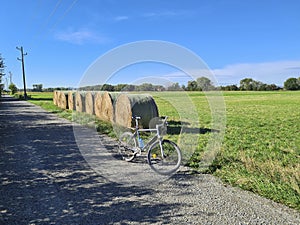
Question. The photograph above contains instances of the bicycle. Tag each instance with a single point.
(163, 156)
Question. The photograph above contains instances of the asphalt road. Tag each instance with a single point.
(46, 179)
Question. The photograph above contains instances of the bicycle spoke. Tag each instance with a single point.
(165, 161)
(127, 146)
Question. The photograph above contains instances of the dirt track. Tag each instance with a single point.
(46, 180)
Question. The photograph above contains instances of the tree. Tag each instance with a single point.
(205, 84)
(37, 87)
(175, 87)
(13, 88)
(232, 87)
(107, 87)
(292, 84)
(192, 86)
(146, 87)
(272, 87)
(120, 87)
(129, 87)
(247, 84)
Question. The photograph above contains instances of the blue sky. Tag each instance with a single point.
(236, 39)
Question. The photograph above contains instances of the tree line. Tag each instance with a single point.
(201, 84)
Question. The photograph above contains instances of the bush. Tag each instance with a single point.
(292, 84)
(13, 88)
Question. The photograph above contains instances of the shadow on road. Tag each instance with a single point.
(45, 179)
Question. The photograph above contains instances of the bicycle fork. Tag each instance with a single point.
(161, 149)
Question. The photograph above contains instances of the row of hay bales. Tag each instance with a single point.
(109, 106)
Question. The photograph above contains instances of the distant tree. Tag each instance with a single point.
(247, 84)
(292, 84)
(87, 88)
(159, 88)
(129, 87)
(205, 84)
(230, 88)
(13, 88)
(145, 87)
(107, 87)
(37, 87)
(272, 87)
(192, 86)
(48, 89)
(175, 87)
(259, 86)
(120, 87)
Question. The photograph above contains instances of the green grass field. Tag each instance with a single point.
(261, 146)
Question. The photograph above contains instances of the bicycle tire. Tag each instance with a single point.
(169, 162)
(127, 146)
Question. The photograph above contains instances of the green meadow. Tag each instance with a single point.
(260, 151)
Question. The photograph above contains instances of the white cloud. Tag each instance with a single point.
(80, 37)
(169, 13)
(267, 72)
(121, 18)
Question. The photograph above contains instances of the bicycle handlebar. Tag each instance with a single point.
(136, 117)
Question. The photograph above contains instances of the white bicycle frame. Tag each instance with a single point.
(158, 136)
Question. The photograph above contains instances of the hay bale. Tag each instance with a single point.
(80, 101)
(62, 99)
(89, 103)
(107, 107)
(55, 99)
(71, 100)
(98, 103)
(104, 105)
(128, 105)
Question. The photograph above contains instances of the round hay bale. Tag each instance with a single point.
(128, 105)
(89, 103)
(63, 100)
(107, 107)
(80, 101)
(71, 100)
(55, 100)
(98, 103)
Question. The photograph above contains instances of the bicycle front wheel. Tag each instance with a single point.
(164, 157)
(127, 146)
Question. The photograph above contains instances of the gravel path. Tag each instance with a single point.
(46, 178)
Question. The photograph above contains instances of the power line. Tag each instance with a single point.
(58, 3)
(65, 13)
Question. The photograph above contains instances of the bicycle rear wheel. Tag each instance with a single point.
(164, 157)
(127, 146)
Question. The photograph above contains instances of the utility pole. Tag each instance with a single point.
(23, 69)
(6, 81)
(10, 77)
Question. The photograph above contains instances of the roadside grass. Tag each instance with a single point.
(261, 148)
